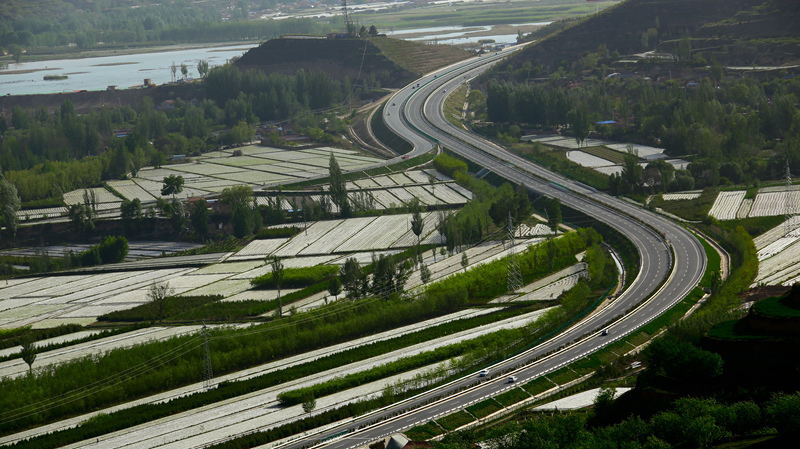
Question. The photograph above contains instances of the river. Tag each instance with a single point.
(98, 73)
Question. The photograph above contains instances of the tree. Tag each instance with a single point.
(554, 214)
(425, 273)
(716, 282)
(200, 217)
(173, 184)
(277, 277)
(309, 404)
(631, 170)
(338, 184)
(202, 68)
(28, 352)
(716, 72)
(352, 277)
(581, 124)
(9, 202)
(177, 216)
(131, 214)
(373, 31)
(335, 287)
(174, 70)
(464, 261)
(158, 296)
(184, 70)
(417, 224)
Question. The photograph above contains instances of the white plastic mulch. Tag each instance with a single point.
(578, 400)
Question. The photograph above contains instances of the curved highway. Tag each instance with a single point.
(672, 263)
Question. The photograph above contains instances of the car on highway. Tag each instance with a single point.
(483, 373)
(405, 157)
(604, 333)
(512, 379)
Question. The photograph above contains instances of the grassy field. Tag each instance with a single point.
(605, 153)
(484, 408)
(454, 105)
(424, 431)
(420, 59)
(694, 210)
(512, 396)
(455, 420)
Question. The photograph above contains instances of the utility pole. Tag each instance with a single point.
(513, 277)
(208, 372)
(789, 205)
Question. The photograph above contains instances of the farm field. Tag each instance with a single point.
(588, 160)
(727, 205)
(778, 255)
(17, 367)
(255, 371)
(260, 408)
(772, 203)
(136, 249)
(615, 157)
(578, 400)
(680, 196)
(212, 172)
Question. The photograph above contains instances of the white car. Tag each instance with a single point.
(483, 373)
(512, 379)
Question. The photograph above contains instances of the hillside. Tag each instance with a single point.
(735, 32)
(390, 62)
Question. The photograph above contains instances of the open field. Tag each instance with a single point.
(588, 160)
(727, 204)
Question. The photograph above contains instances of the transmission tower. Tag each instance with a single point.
(208, 373)
(346, 19)
(789, 211)
(514, 278)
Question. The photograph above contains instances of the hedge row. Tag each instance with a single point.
(298, 277)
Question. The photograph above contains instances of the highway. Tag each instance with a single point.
(672, 263)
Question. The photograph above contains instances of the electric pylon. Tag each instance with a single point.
(208, 372)
(513, 278)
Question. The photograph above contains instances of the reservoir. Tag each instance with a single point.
(124, 71)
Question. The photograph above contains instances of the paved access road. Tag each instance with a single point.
(672, 262)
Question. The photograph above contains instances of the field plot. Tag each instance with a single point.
(336, 236)
(645, 152)
(447, 194)
(578, 400)
(260, 409)
(230, 267)
(225, 287)
(367, 183)
(207, 169)
(610, 170)
(587, 160)
(16, 367)
(744, 209)
(409, 239)
(776, 233)
(401, 194)
(51, 341)
(680, 196)
(779, 188)
(261, 248)
(538, 229)
(42, 213)
(259, 295)
(101, 195)
(781, 268)
(379, 234)
(54, 250)
(385, 198)
(727, 204)
(772, 203)
(154, 188)
(130, 190)
(64, 297)
(615, 157)
(303, 240)
(424, 195)
(158, 174)
(384, 181)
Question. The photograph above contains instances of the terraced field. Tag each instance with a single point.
(727, 204)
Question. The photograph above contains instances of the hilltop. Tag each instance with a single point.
(733, 32)
(390, 62)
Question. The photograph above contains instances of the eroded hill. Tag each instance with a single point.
(389, 62)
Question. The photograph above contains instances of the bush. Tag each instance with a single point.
(449, 165)
(277, 233)
(175, 306)
(298, 277)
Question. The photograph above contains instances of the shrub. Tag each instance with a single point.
(298, 277)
